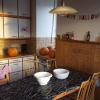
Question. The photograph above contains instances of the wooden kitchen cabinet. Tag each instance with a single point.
(79, 55)
(10, 27)
(15, 64)
(20, 66)
(1, 27)
(15, 21)
(10, 7)
(16, 69)
(24, 8)
(24, 28)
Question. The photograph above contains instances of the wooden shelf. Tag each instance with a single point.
(20, 55)
(80, 41)
(14, 16)
(16, 38)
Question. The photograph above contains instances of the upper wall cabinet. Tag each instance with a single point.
(1, 27)
(24, 8)
(10, 7)
(24, 28)
(0, 6)
(10, 27)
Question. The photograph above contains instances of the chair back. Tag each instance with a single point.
(83, 89)
(91, 88)
(87, 88)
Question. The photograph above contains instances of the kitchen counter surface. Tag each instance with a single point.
(20, 55)
(29, 89)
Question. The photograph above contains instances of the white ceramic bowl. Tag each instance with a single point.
(43, 77)
(61, 73)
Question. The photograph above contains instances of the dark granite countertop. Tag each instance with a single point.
(29, 89)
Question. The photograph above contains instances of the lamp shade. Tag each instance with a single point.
(63, 10)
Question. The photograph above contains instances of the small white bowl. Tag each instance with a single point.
(61, 73)
(43, 77)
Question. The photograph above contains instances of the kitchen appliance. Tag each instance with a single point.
(24, 49)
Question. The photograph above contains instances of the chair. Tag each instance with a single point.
(92, 85)
(46, 62)
(83, 90)
(86, 91)
(80, 96)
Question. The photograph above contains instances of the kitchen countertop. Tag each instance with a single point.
(20, 55)
(29, 89)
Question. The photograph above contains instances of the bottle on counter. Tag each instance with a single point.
(88, 36)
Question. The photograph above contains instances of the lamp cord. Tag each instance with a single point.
(52, 27)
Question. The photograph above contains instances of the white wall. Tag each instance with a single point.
(44, 18)
(80, 27)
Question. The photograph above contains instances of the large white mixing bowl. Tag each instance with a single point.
(43, 77)
(61, 73)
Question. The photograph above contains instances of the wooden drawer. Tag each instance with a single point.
(15, 60)
(3, 61)
(16, 66)
(28, 58)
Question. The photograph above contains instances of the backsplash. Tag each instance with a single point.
(4, 44)
(44, 42)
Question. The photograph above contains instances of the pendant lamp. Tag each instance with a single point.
(63, 10)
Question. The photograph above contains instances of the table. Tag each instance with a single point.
(29, 89)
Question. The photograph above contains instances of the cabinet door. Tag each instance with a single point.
(24, 7)
(1, 27)
(10, 7)
(10, 28)
(19, 67)
(14, 67)
(24, 28)
(0, 6)
(15, 76)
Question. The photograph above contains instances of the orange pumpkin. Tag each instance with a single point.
(51, 53)
(12, 52)
(44, 51)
